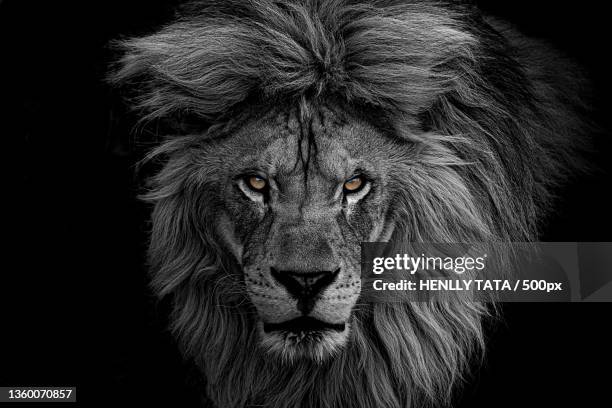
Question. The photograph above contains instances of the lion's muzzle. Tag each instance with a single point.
(305, 287)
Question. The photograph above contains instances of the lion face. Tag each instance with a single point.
(257, 217)
(299, 197)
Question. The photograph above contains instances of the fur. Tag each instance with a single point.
(495, 117)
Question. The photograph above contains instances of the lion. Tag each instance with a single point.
(294, 131)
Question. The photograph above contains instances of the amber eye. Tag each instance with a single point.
(256, 183)
(354, 184)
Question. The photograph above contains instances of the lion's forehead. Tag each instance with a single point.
(326, 143)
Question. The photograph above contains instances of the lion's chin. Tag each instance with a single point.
(314, 344)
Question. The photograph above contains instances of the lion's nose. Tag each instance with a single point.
(305, 286)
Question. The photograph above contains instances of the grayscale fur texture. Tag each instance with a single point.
(492, 121)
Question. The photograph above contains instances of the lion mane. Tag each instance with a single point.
(496, 119)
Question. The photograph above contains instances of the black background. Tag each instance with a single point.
(75, 308)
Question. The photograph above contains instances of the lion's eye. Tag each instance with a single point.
(256, 183)
(354, 184)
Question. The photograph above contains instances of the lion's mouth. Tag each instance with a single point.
(304, 324)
